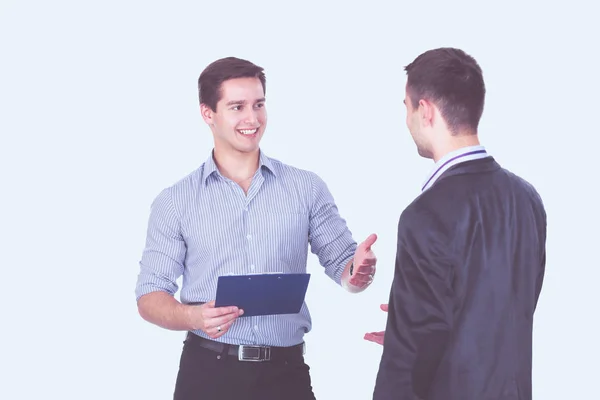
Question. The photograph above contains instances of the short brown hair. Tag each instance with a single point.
(453, 81)
(219, 71)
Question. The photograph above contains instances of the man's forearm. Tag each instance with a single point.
(162, 309)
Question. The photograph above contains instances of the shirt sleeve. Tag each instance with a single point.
(329, 236)
(162, 260)
(420, 310)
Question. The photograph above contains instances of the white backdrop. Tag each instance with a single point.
(99, 112)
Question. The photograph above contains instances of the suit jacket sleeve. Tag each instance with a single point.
(542, 245)
(420, 315)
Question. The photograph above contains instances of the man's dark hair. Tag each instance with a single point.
(453, 81)
(219, 71)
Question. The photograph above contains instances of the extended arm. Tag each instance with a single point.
(331, 240)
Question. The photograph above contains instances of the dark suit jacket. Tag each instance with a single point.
(469, 269)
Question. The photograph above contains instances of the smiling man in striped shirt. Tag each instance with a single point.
(241, 212)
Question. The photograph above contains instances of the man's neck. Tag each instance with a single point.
(234, 165)
(455, 143)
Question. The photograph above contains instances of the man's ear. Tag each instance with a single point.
(426, 112)
(207, 114)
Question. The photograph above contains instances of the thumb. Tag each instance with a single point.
(369, 241)
(384, 307)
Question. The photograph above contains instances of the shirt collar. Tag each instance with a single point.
(454, 157)
(210, 166)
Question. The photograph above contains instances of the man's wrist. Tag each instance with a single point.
(187, 312)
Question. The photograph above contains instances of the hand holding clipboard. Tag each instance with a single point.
(212, 320)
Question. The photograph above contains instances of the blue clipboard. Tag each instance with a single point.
(263, 294)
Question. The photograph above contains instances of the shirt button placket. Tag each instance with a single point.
(249, 254)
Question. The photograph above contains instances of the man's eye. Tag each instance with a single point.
(260, 105)
(236, 108)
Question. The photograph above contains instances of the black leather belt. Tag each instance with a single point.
(249, 352)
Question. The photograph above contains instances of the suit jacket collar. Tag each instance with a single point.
(451, 159)
(485, 164)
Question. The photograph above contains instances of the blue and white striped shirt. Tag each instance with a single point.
(205, 226)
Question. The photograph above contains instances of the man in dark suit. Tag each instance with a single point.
(471, 253)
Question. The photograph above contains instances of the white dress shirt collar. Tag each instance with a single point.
(454, 157)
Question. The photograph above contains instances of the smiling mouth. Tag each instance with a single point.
(248, 132)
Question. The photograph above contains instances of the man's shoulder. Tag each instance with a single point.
(435, 201)
(190, 180)
(437, 208)
(523, 184)
(421, 209)
(423, 222)
(460, 186)
(444, 202)
(291, 173)
(182, 187)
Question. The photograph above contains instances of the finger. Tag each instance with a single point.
(219, 311)
(220, 321)
(384, 307)
(366, 262)
(369, 261)
(366, 245)
(376, 335)
(361, 284)
(364, 265)
(365, 270)
(376, 338)
(212, 326)
(361, 279)
(215, 332)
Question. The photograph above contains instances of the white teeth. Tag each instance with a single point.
(248, 131)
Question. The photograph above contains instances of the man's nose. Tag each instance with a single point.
(251, 118)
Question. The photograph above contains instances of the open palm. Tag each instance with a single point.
(377, 337)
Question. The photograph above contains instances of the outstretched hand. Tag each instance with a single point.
(377, 337)
(364, 263)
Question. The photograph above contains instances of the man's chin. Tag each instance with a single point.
(424, 153)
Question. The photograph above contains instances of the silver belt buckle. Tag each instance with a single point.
(254, 353)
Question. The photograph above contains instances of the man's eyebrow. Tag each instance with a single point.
(242, 102)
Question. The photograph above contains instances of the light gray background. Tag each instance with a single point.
(99, 112)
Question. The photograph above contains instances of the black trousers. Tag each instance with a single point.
(207, 375)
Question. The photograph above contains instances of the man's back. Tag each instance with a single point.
(479, 232)
(499, 240)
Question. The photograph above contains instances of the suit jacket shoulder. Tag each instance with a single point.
(447, 204)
